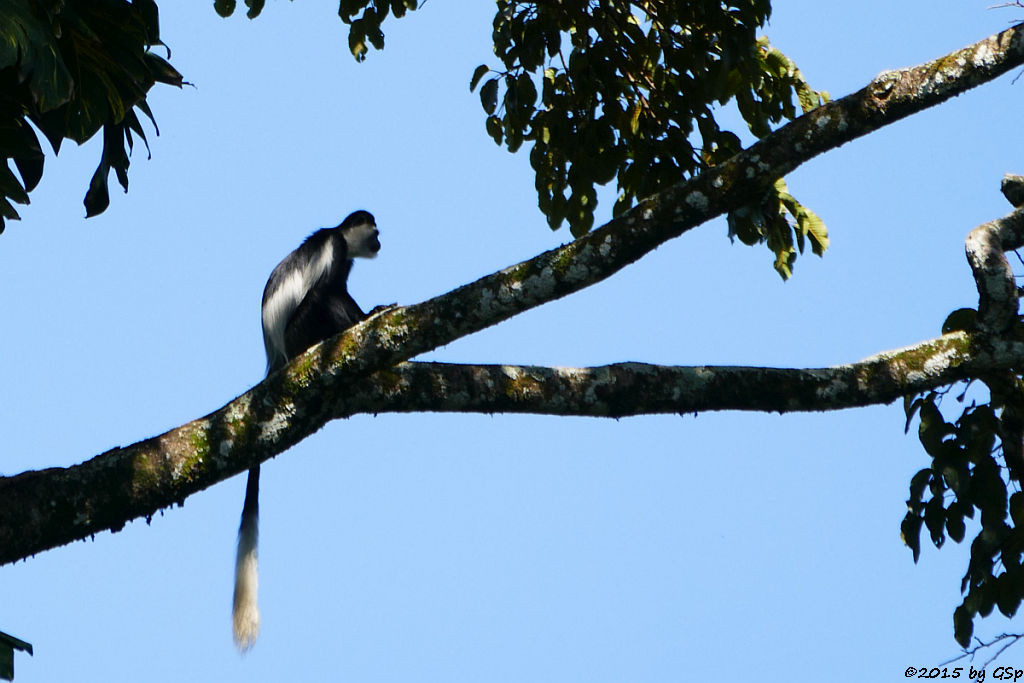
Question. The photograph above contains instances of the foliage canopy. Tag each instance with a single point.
(71, 68)
(628, 92)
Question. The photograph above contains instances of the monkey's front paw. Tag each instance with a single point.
(381, 309)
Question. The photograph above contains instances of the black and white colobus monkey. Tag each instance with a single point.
(306, 301)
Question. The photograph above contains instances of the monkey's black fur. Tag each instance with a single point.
(306, 299)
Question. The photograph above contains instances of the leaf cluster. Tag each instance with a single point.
(364, 18)
(777, 220)
(628, 91)
(70, 68)
(968, 475)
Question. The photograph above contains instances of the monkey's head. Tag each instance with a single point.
(361, 235)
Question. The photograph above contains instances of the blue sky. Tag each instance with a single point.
(728, 547)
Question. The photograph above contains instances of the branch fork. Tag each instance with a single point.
(986, 248)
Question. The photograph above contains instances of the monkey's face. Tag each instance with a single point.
(363, 240)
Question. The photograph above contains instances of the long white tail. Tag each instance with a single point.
(246, 613)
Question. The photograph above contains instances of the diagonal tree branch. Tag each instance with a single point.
(43, 509)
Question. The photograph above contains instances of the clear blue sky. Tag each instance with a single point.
(726, 547)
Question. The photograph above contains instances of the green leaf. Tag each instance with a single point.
(814, 227)
(10, 187)
(988, 492)
(493, 125)
(932, 429)
(745, 223)
(97, 199)
(31, 170)
(7, 211)
(955, 476)
(784, 260)
(918, 483)
(348, 8)
(29, 43)
(1007, 597)
(987, 597)
(150, 14)
(144, 108)
(372, 27)
(161, 71)
(935, 520)
(357, 40)
(911, 404)
(526, 92)
(955, 526)
(224, 8)
(255, 7)
(478, 73)
(581, 211)
(513, 136)
(399, 7)
(778, 62)
(135, 126)
(910, 533)
(489, 95)
(634, 117)
(808, 99)
(963, 626)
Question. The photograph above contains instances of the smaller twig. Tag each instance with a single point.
(972, 652)
(1013, 637)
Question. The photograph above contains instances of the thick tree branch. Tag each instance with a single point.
(630, 389)
(39, 510)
